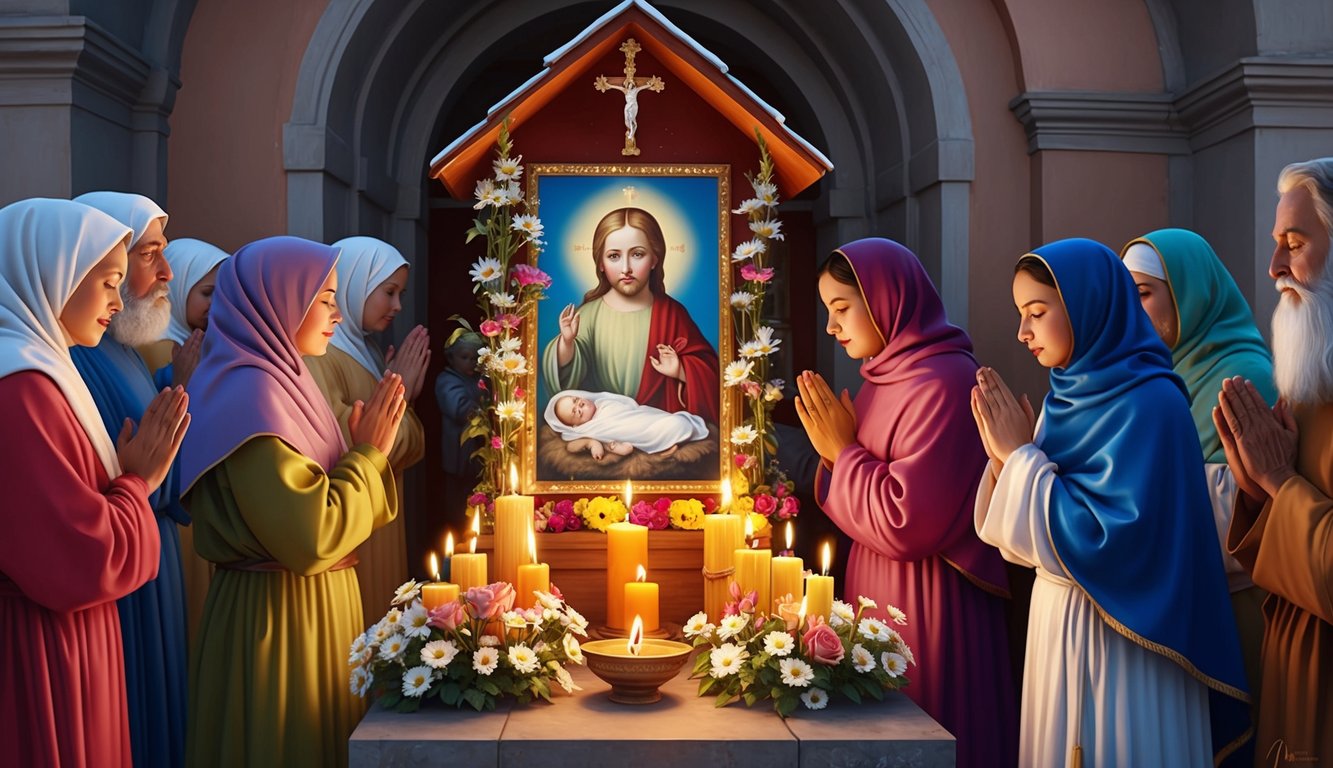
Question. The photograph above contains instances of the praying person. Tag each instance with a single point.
(194, 267)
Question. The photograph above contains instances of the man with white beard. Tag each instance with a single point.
(152, 618)
(1282, 531)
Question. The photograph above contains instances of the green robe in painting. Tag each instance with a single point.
(608, 352)
(268, 672)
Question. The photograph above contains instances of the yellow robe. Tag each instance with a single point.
(1288, 549)
(157, 354)
(383, 564)
(268, 672)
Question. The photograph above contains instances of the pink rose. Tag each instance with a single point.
(765, 504)
(823, 643)
(710, 505)
(508, 321)
(490, 328)
(526, 274)
(518, 393)
(791, 506)
(741, 460)
(448, 617)
(663, 505)
(555, 523)
(490, 601)
(564, 507)
(496, 442)
(751, 389)
(751, 272)
(477, 499)
(779, 489)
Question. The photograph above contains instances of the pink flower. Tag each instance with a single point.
(823, 643)
(730, 609)
(496, 442)
(481, 384)
(526, 274)
(791, 506)
(655, 516)
(508, 321)
(556, 590)
(477, 499)
(765, 504)
(555, 523)
(490, 601)
(448, 617)
(751, 389)
(564, 507)
(790, 612)
(710, 505)
(751, 272)
(490, 328)
(741, 460)
(779, 489)
(663, 505)
(518, 393)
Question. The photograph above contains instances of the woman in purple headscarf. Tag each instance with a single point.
(899, 476)
(279, 504)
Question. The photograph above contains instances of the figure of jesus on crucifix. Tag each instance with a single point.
(630, 86)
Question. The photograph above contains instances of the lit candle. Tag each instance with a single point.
(725, 504)
(754, 570)
(626, 550)
(723, 534)
(513, 523)
(635, 643)
(469, 570)
(532, 577)
(819, 589)
(437, 593)
(641, 600)
(787, 572)
(446, 571)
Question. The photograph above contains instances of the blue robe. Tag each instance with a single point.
(152, 618)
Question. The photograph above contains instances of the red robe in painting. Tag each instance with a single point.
(700, 392)
(74, 542)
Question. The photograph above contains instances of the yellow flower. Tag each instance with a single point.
(687, 514)
(740, 486)
(757, 521)
(743, 505)
(602, 511)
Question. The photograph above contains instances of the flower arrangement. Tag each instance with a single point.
(506, 293)
(755, 440)
(474, 650)
(787, 658)
(599, 512)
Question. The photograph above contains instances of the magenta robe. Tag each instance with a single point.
(904, 493)
(74, 543)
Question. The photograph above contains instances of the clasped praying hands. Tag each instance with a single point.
(1005, 422)
(1260, 443)
(829, 421)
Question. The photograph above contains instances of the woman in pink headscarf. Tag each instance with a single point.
(899, 475)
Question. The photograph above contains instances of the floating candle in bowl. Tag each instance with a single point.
(636, 669)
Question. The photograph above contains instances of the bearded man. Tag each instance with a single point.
(1282, 529)
(152, 618)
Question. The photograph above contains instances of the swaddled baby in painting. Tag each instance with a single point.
(598, 422)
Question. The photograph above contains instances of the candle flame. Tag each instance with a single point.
(434, 567)
(635, 643)
(726, 494)
(825, 558)
(789, 536)
(641, 574)
(749, 528)
(513, 478)
(532, 545)
(476, 530)
(800, 615)
(449, 544)
(629, 496)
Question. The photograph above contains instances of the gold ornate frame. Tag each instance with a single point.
(727, 407)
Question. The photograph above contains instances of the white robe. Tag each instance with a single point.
(620, 419)
(1222, 493)
(1084, 683)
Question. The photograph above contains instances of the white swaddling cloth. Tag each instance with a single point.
(619, 419)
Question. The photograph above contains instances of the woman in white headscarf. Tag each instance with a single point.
(79, 530)
(194, 268)
(372, 276)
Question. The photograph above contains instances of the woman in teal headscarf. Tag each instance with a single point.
(1199, 312)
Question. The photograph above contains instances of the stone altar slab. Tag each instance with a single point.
(587, 729)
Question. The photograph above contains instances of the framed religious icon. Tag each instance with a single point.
(627, 347)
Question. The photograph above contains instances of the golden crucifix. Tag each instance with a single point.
(630, 87)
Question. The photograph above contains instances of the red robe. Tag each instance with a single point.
(700, 392)
(74, 543)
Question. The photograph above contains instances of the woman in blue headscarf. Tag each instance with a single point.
(1131, 642)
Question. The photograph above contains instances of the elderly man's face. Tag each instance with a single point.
(148, 268)
(1302, 241)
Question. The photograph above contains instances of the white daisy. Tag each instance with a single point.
(508, 194)
(359, 646)
(512, 363)
(485, 193)
(743, 435)
(749, 206)
(750, 349)
(742, 300)
(416, 681)
(529, 225)
(549, 601)
(393, 647)
(874, 629)
(748, 250)
(697, 625)
(575, 621)
(509, 409)
(488, 641)
(843, 612)
(379, 633)
(360, 680)
(501, 299)
(513, 620)
(573, 651)
(737, 371)
(730, 626)
(508, 168)
(563, 677)
(393, 620)
(796, 673)
(862, 660)
(524, 659)
(769, 228)
(815, 698)
(898, 616)
(726, 659)
(907, 653)
(406, 592)
(779, 644)
(767, 193)
(439, 654)
(415, 621)
(867, 602)
(764, 342)
(484, 660)
(485, 270)
(894, 663)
